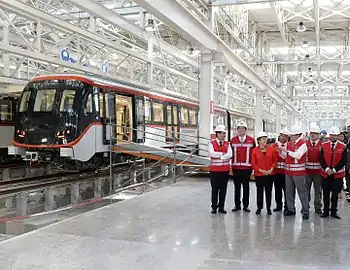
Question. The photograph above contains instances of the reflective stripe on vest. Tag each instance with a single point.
(313, 165)
(280, 165)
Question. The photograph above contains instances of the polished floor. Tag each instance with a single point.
(171, 228)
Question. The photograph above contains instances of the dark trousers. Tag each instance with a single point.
(279, 182)
(347, 178)
(264, 183)
(241, 177)
(218, 181)
(334, 186)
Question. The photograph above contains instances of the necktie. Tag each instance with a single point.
(333, 144)
(220, 144)
(282, 145)
(313, 144)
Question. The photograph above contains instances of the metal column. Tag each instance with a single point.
(258, 113)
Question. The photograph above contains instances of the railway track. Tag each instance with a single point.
(28, 184)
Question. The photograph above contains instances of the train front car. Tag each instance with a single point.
(55, 118)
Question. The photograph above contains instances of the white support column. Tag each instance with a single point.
(6, 42)
(278, 118)
(150, 59)
(289, 119)
(258, 113)
(206, 95)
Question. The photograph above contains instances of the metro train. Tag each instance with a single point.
(8, 106)
(66, 118)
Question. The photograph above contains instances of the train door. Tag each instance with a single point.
(172, 123)
(108, 99)
(124, 115)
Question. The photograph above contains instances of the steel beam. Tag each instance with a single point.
(311, 61)
(182, 21)
(279, 20)
(323, 98)
(116, 19)
(30, 12)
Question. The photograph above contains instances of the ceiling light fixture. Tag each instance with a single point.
(150, 27)
(301, 27)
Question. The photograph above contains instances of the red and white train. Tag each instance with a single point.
(66, 116)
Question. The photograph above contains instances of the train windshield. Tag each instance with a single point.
(67, 101)
(44, 100)
(23, 107)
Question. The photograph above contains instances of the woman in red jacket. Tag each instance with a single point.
(264, 161)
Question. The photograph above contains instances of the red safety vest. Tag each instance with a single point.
(295, 167)
(280, 161)
(337, 155)
(217, 164)
(242, 152)
(313, 165)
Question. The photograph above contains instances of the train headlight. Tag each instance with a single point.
(44, 140)
(20, 133)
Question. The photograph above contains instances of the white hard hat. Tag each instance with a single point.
(220, 128)
(315, 129)
(242, 124)
(334, 131)
(261, 134)
(284, 132)
(296, 129)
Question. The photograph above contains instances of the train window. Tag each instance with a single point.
(158, 112)
(67, 101)
(100, 97)
(169, 114)
(148, 111)
(24, 101)
(44, 100)
(6, 110)
(88, 107)
(175, 114)
(193, 117)
(184, 116)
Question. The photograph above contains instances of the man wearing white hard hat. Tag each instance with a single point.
(279, 180)
(220, 154)
(313, 167)
(242, 146)
(333, 161)
(295, 171)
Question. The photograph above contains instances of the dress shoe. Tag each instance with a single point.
(289, 213)
(222, 211)
(213, 211)
(258, 212)
(277, 209)
(269, 212)
(318, 211)
(324, 215)
(335, 216)
(236, 209)
(246, 209)
(305, 216)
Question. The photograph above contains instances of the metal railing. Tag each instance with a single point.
(188, 146)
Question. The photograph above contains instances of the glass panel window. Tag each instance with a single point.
(193, 117)
(158, 112)
(6, 110)
(176, 115)
(100, 97)
(67, 101)
(24, 101)
(148, 111)
(88, 107)
(169, 114)
(44, 100)
(184, 116)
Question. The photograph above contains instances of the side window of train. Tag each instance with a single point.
(158, 112)
(101, 103)
(193, 117)
(24, 101)
(184, 116)
(6, 110)
(148, 111)
(88, 106)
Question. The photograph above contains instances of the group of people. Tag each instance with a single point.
(292, 163)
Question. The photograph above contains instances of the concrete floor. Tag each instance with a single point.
(171, 228)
